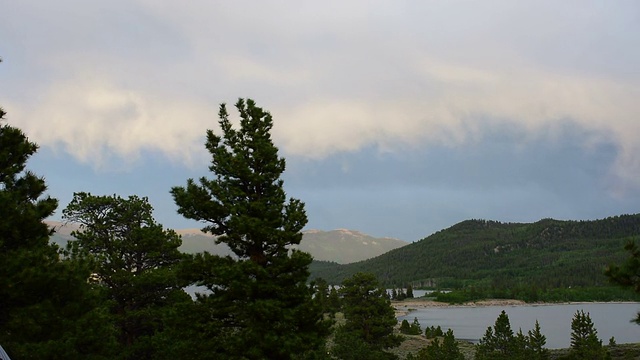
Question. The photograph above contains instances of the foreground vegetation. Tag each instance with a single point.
(118, 291)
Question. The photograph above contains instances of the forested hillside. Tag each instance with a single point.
(547, 253)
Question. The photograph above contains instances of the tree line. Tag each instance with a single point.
(117, 292)
(500, 257)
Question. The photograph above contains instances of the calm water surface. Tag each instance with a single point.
(470, 323)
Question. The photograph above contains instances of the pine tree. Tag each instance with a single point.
(415, 327)
(409, 292)
(45, 306)
(405, 328)
(521, 346)
(333, 301)
(410, 329)
(134, 261)
(445, 349)
(626, 274)
(537, 342)
(450, 348)
(321, 294)
(368, 312)
(497, 343)
(584, 338)
(260, 305)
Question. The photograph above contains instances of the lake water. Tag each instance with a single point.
(470, 323)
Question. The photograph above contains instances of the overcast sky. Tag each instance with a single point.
(396, 118)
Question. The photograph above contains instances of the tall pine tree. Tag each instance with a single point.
(626, 274)
(134, 265)
(499, 342)
(259, 304)
(584, 338)
(45, 305)
(368, 312)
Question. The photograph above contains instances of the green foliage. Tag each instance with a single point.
(500, 342)
(348, 345)
(405, 328)
(368, 311)
(46, 308)
(431, 332)
(445, 349)
(333, 301)
(400, 295)
(627, 274)
(321, 295)
(415, 327)
(410, 329)
(133, 263)
(584, 338)
(260, 305)
(497, 256)
(536, 344)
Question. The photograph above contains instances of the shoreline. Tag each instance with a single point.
(405, 307)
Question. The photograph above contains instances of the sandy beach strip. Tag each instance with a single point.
(405, 307)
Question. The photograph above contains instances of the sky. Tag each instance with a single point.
(396, 118)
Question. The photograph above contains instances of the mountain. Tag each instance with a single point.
(345, 246)
(548, 253)
(340, 246)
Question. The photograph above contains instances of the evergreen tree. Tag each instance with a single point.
(584, 338)
(401, 295)
(46, 309)
(348, 345)
(415, 327)
(537, 342)
(368, 312)
(450, 349)
(626, 274)
(260, 305)
(333, 301)
(521, 346)
(321, 294)
(431, 332)
(410, 292)
(498, 343)
(405, 328)
(445, 349)
(410, 329)
(134, 263)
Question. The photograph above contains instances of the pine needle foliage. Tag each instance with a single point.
(259, 303)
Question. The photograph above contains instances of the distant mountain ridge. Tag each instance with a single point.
(346, 246)
(341, 246)
(548, 253)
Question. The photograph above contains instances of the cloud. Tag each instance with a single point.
(460, 104)
(121, 79)
(103, 124)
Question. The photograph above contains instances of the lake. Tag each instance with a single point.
(470, 323)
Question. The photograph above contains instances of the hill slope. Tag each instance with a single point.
(345, 246)
(547, 253)
(340, 246)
